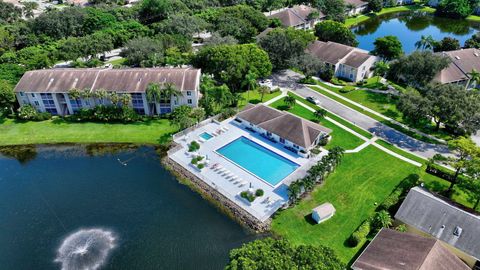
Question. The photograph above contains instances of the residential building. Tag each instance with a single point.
(294, 133)
(462, 62)
(298, 17)
(431, 215)
(357, 7)
(48, 90)
(394, 250)
(348, 62)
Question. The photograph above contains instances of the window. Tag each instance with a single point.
(189, 101)
(76, 105)
(296, 146)
(33, 95)
(36, 103)
(48, 103)
(457, 231)
(189, 93)
(282, 140)
(87, 102)
(175, 102)
(137, 103)
(269, 134)
(21, 94)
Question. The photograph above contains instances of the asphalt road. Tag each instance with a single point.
(287, 80)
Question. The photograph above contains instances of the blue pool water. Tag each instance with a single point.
(206, 136)
(258, 160)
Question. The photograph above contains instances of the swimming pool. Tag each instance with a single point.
(258, 160)
(206, 136)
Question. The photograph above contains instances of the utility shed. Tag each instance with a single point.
(323, 212)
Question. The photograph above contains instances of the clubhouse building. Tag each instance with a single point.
(48, 90)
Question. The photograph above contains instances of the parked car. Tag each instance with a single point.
(313, 100)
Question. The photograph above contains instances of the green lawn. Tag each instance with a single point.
(363, 179)
(340, 137)
(385, 107)
(254, 97)
(361, 18)
(59, 131)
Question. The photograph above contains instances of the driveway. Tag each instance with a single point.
(288, 80)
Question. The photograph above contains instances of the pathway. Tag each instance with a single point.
(288, 80)
(367, 141)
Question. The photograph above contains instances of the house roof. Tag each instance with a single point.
(295, 15)
(441, 219)
(130, 80)
(356, 3)
(288, 126)
(395, 250)
(462, 62)
(324, 210)
(334, 53)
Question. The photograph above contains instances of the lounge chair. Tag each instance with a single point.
(214, 166)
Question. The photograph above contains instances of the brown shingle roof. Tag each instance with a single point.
(356, 59)
(123, 80)
(329, 52)
(395, 250)
(463, 61)
(288, 126)
(295, 15)
(356, 3)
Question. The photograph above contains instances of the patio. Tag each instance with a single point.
(231, 179)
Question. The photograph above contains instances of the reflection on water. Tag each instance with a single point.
(48, 194)
(410, 26)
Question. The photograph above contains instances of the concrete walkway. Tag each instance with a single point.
(367, 141)
(288, 80)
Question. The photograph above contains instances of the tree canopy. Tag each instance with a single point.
(336, 32)
(388, 47)
(418, 68)
(456, 8)
(333, 9)
(231, 63)
(281, 254)
(446, 44)
(283, 45)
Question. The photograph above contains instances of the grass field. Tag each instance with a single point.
(59, 131)
(361, 18)
(398, 127)
(340, 137)
(358, 183)
(254, 97)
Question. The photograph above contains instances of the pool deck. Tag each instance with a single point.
(274, 196)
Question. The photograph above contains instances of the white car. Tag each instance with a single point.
(313, 100)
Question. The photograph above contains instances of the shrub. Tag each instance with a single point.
(259, 192)
(193, 146)
(326, 74)
(337, 81)
(323, 141)
(275, 90)
(227, 113)
(104, 113)
(307, 80)
(401, 228)
(201, 166)
(247, 195)
(347, 89)
(28, 112)
(360, 234)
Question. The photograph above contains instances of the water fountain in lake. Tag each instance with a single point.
(85, 249)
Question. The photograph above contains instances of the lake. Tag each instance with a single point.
(410, 26)
(118, 207)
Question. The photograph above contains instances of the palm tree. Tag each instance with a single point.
(289, 101)
(383, 219)
(263, 90)
(168, 90)
(250, 82)
(473, 76)
(320, 114)
(153, 93)
(425, 43)
(380, 69)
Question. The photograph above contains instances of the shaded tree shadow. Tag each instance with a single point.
(309, 219)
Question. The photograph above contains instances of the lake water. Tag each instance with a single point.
(410, 26)
(130, 217)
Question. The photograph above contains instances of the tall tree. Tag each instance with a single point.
(454, 8)
(7, 97)
(446, 44)
(388, 47)
(285, 45)
(144, 52)
(473, 78)
(380, 69)
(425, 43)
(418, 68)
(473, 42)
(375, 5)
(333, 9)
(309, 65)
(465, 152)
(336, 32)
